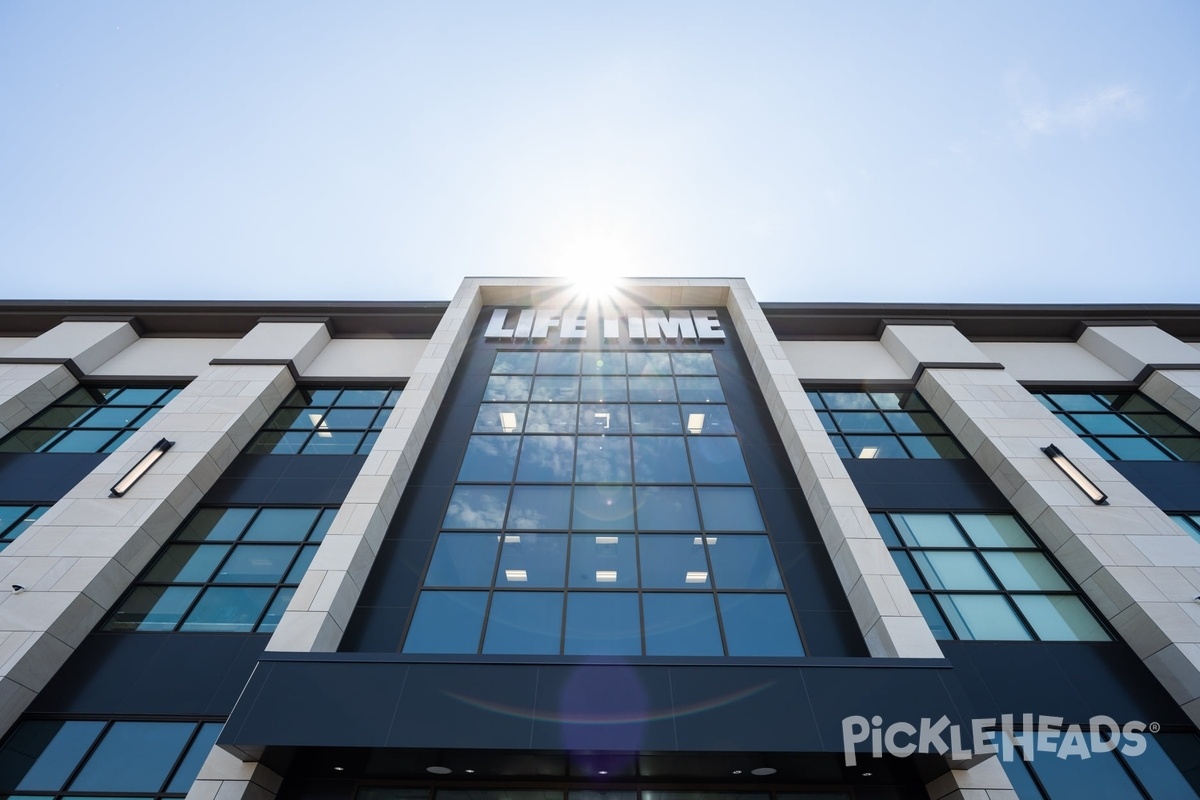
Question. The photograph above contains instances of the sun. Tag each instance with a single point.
(592, 260)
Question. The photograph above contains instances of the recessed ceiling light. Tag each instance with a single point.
(469, 771)
(867, 774)
(737, 772)
(763, 771)
(339, 769)
(439, 770)
(603, 772)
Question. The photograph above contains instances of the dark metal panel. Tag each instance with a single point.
(924, 484)
(178, 674)
(286, 480)
(1170, 485)
(43, 477)
(1073, 680)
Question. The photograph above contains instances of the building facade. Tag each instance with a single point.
(668, 543)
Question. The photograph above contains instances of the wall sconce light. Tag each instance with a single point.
(1077, 477)
(139, 469)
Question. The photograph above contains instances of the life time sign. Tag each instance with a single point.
(541, 324)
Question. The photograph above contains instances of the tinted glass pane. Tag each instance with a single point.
(884, 525)
(744, 562)
(953, 570)
(137, 396)
(256, 563)
(1078, 402)
(933, 616)
(602, 623)
(279, 443)
(489, 458)
(603, 459)
(348, 418)
(1018, 571)
(728, 509)
(660, 459)
(228, 609)
(539, 508)
(693, 364)
(994, 530)
(181, 781)
(983, 616)
(648, 363)
(1184, 448)
(275, 611)
(1104, 423)
(113, 417)
(651, 390)
(673, 562)
(699, 390)
(508, 363)
(876, 447)
(1158, 424)
(533, 560)
(500, 418)
(666, 508)
(655, 419)
(546, 459)
(362, 397)
(26, 441)
(718, 459)
(847, 400)
(600, 508)
(603, 363)
(186, 563)
(759, 625)
(477, 507)
(463, 559)
(1159, 766)
(524, 622)
(1079, 779)
(152, 608)
(81, 441)
(604, 561)
(929, 530)
(707, 419)
(555, 389)
(1060, 618)
(507, 388)
(41, 755)
(861, 421)
(1134, 449)
(603, 419)
(446, 622)
(333, 442)
(134, 757)
(681, 625)
(565, 363)
(282, 524)
(603, 389)
(550, 418)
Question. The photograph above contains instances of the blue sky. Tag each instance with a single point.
(826, 151)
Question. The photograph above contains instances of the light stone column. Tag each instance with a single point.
(1140, 570)
(40, 371)
(984, 781)
(1173, 366)
(77, 560)
(887, 614)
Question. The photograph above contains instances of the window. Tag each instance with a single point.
(227, 570)
(1165, 768)
(883, 425)
(89, 419)
(86, 758)
(326, 421)
(1124, 426)
(603, 506)
(982, 576)
(15, 519)
(1189, 522)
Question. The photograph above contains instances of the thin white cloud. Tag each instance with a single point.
(1084, 113)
